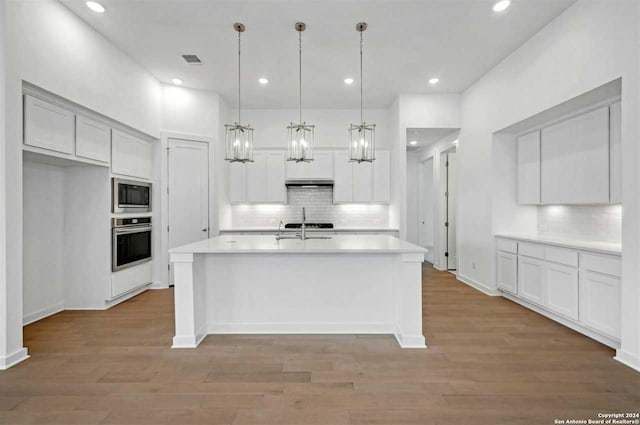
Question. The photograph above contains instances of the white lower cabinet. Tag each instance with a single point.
(507, 272)
(580, 288)
(561, 287)
(600, 302)
(531, 279)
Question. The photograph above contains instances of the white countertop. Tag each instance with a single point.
(601, 247)
(335, 229)
(343, 244)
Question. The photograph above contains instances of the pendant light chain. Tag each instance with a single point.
(361, 84)
(239, 80)
(300, 69)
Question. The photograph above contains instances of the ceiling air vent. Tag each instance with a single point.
(192, 59)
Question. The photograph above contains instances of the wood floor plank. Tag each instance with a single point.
(489, 361)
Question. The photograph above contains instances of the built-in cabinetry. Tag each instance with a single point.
(362, 182)
(572, 162)
(572, 285)
(50, 128)
(261, 181)
(321, 168)
(130, 155)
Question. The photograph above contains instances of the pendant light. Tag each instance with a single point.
(238, 138)
(362, 141)
(300, 136)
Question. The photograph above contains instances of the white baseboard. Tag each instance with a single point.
(158, 285)
(477, 285)
(39, 315)
(300, 328)
(13, 359)
(628, 359)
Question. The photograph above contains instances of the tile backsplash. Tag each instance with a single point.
(602, 223)
(319, 207)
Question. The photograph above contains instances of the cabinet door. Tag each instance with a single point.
(529, 168)
(615, 152)
(531, 279)
(343, 178)
(507, 272)
(257, 178)
(237, 182)
(276, 190)
(322, 165)
(382, 177)
(93, 139)
(600, 302)
(297, 170)
(362, 182)
(575, 160)
(562, 289)
(48, 126)
(130, 155)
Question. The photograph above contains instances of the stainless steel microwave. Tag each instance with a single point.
(129, 196)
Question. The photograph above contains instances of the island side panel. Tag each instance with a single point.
(189, 295)
(408, 300)
(300, 293)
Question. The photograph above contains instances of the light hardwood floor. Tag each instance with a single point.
(489, 361)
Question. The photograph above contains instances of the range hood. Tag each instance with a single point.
(308, 183)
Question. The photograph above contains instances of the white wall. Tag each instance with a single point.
(43, 239)
(49, 46)
(413, 201)
(590, 44)
(189, 111)
(4, 324)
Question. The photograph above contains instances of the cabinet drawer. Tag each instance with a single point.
(531, 250)
(602, 264)
(561, 255)
(507, 245)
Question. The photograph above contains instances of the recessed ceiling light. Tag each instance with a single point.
(434, 80)
(348, 81)
(95, 6)
(413, 142)
(263, 81)
(501, 5)
(177, 81)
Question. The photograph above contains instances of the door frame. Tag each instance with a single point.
(442, 239)
(422, 189)
(161, 202)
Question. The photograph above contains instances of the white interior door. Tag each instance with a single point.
(188, 192)
(452, 195)
(426, 227)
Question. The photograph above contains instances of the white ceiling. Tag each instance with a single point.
(407, 43)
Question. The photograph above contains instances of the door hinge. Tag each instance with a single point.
(446, 224)
(169, 267)
(446, 254)
(167, 190)
(446, 164)
(446, 194)
(167, 228)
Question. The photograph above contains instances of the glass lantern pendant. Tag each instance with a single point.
(238, 137)
(362, 140)
(300, 136)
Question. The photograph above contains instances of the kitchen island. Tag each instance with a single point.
(246, 284)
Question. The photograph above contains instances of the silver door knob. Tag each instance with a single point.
(205, 229)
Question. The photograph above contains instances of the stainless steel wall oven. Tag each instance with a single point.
(131, 242)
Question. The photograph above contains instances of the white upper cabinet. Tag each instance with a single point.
(382, 177)
(343, 178)
(48, 126)
(575, 160)
(362, 182)
(130, 156)
(93, 139)
(615, 155)
(260, 181)
(320, 168)
(276, 190)
(238, 182)
(529, 168)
